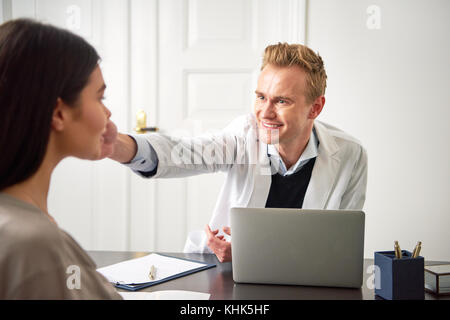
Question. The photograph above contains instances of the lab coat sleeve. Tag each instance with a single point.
(355, 194)
(145, 161)
(188, 156)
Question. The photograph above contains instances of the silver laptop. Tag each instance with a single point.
(298, 246)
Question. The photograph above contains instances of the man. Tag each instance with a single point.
(277, 157)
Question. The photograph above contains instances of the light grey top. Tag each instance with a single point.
(38, 260)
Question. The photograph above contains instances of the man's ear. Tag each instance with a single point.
(317, 107)
(60, 115)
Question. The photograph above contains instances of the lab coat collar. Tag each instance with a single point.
(327, 142)
(309, 153)
(324, 172)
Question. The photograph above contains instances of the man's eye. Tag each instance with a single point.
(282, 101)
(261, 97)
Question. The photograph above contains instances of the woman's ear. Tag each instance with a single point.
(59, 115)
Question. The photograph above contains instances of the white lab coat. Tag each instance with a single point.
(338, 179)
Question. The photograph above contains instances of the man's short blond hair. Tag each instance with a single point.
(286, 55)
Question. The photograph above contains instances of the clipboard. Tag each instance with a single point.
(138, 286)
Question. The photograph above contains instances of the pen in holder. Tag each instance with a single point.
(399, 279)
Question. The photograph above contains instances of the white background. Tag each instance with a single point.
(192, 66)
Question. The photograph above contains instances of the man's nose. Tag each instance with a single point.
(268, 109)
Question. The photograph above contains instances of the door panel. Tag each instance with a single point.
(210, 52)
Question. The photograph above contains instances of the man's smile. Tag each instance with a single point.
(270, 125)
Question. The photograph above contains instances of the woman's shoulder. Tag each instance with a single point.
(23, 226)
(30, 243)
(29, 236)
(28, 233)
(35, 251)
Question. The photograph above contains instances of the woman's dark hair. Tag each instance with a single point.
(39, 63)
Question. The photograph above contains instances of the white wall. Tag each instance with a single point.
(390, 87)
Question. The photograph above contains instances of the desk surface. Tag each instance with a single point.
(219, 282)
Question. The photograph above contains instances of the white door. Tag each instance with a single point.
(206, 58)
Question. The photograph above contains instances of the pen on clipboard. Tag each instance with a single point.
(152, 274)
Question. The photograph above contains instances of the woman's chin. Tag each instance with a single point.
(93, 154)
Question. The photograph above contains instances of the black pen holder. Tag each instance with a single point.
(399, 279)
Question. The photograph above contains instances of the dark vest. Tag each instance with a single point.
(289, 191)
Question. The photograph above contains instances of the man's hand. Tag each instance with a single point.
(109, 139)
(117, 146)
(218, 244)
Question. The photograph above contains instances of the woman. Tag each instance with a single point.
(51, 91)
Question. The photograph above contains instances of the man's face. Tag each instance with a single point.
(281, 109)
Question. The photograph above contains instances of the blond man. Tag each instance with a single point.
(278, 156)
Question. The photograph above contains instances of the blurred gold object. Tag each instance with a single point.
(398, 252)
(141, 123)
(417, 249)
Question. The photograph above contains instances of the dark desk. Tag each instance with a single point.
(219, 282)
